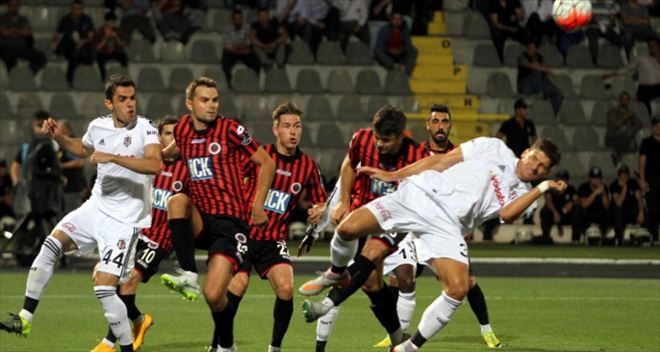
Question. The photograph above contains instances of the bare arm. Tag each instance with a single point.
(513, 210)
(264, 181)
(347, 179)
(74, 146)
(437, 162)
(171, 151)
(15, 172)
(73, 164)
(150, 164)
(642, 172)
(620, 197)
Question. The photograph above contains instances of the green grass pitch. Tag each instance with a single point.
(527, 314)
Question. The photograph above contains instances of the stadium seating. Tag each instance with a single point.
(27, 104)
(368, 82)
(340, 82)
(551, 55)
(485, 55)
(204, 52)
(53, 78)
(358, 53)
(319, 109)
(578, 56)
(87, 78)
(592, 87)
(499, 85)
(142, 51)
(350, 109)
(609, 56)
(179, 79)
(173, 52)
(309, 81)
(301, 54)
(21, 79)
(586, 139)
(150, 79)
(397, 83)
(511, 53)
(216, 73)
(329, 135)
(246, 81)
(475, 26)
(599, 114)
(62, 106)
(228, 107)
(159, 105)
(565, 85)
(571, 113)
(374, 103)
(277, 81)
(329, 53)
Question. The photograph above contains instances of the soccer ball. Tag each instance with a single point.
(571, 14)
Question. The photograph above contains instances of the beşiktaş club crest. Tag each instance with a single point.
(127, 141)
(121, 244)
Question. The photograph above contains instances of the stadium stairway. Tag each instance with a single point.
(437, 80)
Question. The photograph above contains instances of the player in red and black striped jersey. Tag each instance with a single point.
(213, 148)
(155, 242)
(297, 179)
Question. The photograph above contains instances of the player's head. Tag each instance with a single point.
(120, 98)
(521, 108)
(396, 20)
(166, 129)
(262, 15)
(532, 48)
(287, 125)
(389, 124)
(39, 117)
(623, 173)
(111, 19)
(202, 99)
(439, 123)
(536, 161)
(595, 176)
(77, 7)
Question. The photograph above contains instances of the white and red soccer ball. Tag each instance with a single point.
(571, 14)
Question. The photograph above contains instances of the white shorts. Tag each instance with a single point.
(409, 209)
(404, 254)
(89, 228)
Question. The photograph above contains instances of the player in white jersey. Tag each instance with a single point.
(442, 197)
(126, 148)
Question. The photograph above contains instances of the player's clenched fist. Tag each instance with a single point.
(52, 128)
(258, 216)
(557, 186)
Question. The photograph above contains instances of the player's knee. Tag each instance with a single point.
(457, 289)
(348, 229)
(374, 283)
(375, 251)
(284, 291)
(473, 280)
(215, 299)
(406, 284)
(178, 205)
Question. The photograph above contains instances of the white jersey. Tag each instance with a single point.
(118, 192)
(476, 189)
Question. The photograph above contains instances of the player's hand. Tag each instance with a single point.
(305, 245)
(52, 128)
(315, 212)
(258, 216)
(101, 157)
(377, 173)
(557, 186)
(339, 212)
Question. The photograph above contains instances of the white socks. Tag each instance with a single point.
(115, 313)
(405, 307)
(486, 329)
(437, 315)
(325, 324)
(341, 252)
(42, 269)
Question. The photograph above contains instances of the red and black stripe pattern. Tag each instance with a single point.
(427, 146)
(294, 176)
(173, 179)
(362, 151)
(215, 160)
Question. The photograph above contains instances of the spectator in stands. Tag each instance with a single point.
(603, 24)
(6, 193)
(622, 125)
(73, 38)
(303, 18)
(558, 209)
(109, 45)
(628, 204)
(353, 17)
(16, 40)
(237, 46)
(134, 16)
(647, 68)
(394, 49)
(75, 186)
(173, 22)
(594, 205)
(268, 38)
(538, 20)
(381, 10)
(504, 17)
(649, 170)
(636, 25)
(518, 132)
(533, 76)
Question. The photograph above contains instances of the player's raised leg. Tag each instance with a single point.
(40, 274)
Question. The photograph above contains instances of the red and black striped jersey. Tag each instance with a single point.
(294, 176)
(215, 161)
(173, 178)
(426, 145)
(362, 151)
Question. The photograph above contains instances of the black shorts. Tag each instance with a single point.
(225, 236)
(148, 255)
(263, 255)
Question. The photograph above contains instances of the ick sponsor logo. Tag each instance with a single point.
(159, 199)
(381, 188)
(200, 168)
(277, 201)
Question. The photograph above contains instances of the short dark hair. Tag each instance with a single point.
(549, 148)
(287, 107)
(389, 120)
(117, 80)
(110, 16)
(41, 115)
(201, 81)
(440, 108)
(166, 120)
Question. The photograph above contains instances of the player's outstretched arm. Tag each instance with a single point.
(264, 181)
(171, 151)
(150, 164)
(347, 180)
(513, 210)
(437, 162)
(74, 146)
